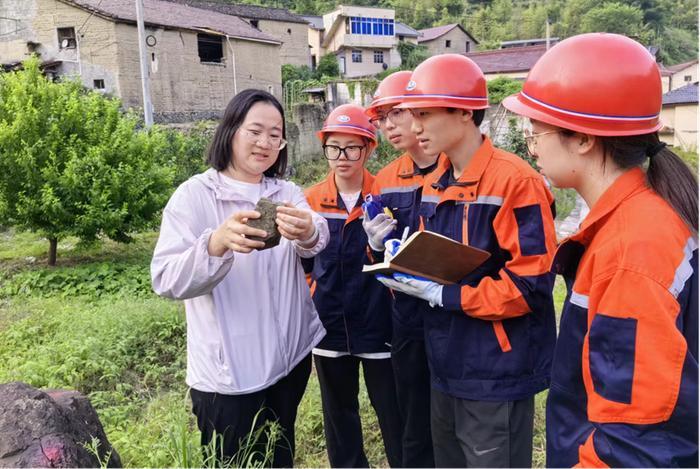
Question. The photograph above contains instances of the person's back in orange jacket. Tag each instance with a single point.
(624, 389)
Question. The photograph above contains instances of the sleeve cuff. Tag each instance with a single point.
(452, 297)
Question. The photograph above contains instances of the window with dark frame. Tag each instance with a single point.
(66, 38)
(370, 26)
(98, 84)
(448, 43)
(357, 56)
(210, 48)
(468, 46)
(254, 23)
(378, 57)
(688, 78)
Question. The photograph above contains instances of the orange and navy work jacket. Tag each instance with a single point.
(624, 389)
(355, 309)
(400, 184)
(494, 337)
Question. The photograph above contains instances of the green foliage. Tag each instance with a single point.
(382, 156)
(565, 201)
(411, 55)
(294, 72)
(328, 66)
(614, 17)
(94, 280)
(186, 151)
(515, 142)
(308, 172)
(501, 87)
(73, 164)
(690, 157)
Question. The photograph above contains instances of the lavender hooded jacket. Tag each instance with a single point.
(250, 317)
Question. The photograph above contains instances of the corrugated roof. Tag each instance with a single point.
(434, 33)
(516, 59)
(679, 67)
(255, 12)
(173, 15)
(401, 29)
(687, 94)
(316, 22)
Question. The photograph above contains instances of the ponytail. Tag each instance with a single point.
(671, 178)
(667, 174)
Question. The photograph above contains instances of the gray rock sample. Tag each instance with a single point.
(268, 213)
(48, 429)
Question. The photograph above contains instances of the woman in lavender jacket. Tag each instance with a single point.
(251, 323)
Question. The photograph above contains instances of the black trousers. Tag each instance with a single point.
(481, 434)
(412, 378)
(339, 379)
(233, 416)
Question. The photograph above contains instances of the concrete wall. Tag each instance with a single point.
(459, 41)
(16, 29)
(302, 125)
(295, 41)
(677, 80)
(683, 119)
(367, 66)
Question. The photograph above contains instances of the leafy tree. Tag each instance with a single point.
(73, 164)
(328, 66)
(412, 55)
(502, 87)
(293, 72)
(615, 18)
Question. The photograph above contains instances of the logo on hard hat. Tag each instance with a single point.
(343, 118)
(411, 85)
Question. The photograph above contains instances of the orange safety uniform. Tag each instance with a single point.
(494, 337)
(624, 389)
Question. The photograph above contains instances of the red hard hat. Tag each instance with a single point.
(348, 119)
(389, 91)
(447, 80)
(598, 84)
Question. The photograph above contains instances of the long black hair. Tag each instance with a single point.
(220, 152)
(667, 173)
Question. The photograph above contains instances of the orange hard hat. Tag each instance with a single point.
(598, 84)
(389, 91)
(447, 80)
(348, 119)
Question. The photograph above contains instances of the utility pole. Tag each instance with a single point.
(145, 87)
(547, 33)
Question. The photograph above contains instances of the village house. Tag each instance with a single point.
(679, 114)
(364, 39)
(447, 39)
(679, 75)
(283, 25)
(198, 59)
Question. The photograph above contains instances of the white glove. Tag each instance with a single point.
(377, 229)
(414, 286)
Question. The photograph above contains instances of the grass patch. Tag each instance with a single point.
(690, 157)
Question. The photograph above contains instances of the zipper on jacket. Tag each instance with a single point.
(342, 277)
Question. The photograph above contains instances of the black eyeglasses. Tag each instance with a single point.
(352, 152)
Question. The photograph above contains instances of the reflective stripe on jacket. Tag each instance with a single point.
(400, 185)
(494, 336)
(624, 389)
(355, 309)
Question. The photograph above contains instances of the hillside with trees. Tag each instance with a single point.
(672, 25)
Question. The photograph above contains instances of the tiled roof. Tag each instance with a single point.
(245, 11)
(173, 15)
(687, 94)
(516, 59)
(434, 33)
(405, 30)
(316, 22)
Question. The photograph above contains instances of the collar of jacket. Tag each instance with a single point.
(222, 191)
(465, 188)
(571, 249)
(331, 198)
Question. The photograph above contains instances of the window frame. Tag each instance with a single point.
(356, 56)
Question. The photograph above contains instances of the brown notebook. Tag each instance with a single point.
(433, 256)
